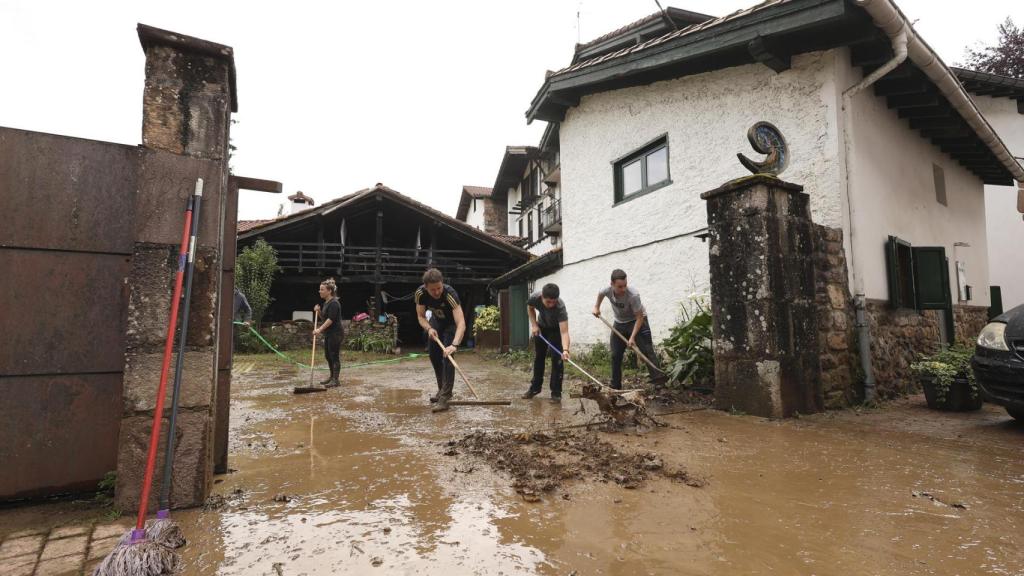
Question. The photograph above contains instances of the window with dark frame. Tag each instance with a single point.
(540, 221)
(521, 228)
(643, 170)
(529, 226)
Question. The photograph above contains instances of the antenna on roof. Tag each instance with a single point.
(665, 15)
(579, 7)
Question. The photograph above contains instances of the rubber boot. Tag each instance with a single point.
(332, 382)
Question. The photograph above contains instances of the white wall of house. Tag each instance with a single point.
(1004, 223)
(706, 118)
(475, 214)
(893, 188)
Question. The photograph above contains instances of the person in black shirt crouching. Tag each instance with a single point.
(446, 323)
(331, 329)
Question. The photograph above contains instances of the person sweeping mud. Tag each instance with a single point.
(631, 321)
(331, 329)
(447, 323)
(548, 318)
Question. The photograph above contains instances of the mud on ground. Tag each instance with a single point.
(543, 462)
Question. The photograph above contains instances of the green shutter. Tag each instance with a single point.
(519, 330)
(898, 263)
(996, 295)
(931, 278)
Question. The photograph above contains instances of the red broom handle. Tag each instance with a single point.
(154, 436)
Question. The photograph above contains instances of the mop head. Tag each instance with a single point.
(162, 531)
(145, 558)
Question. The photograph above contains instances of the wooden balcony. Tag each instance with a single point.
(366, 264)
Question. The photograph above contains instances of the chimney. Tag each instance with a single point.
(300, 202)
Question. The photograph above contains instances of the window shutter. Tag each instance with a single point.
(996, 295)
(931, 278)
(892, 272)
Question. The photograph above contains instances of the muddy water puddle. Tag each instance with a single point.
(356, 480)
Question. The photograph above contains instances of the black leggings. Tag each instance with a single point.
(332, 351)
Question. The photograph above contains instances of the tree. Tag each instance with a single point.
(1005, 58)
(255, 268)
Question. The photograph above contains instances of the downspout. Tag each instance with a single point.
(899, 48)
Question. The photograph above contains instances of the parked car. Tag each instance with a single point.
(998, 361)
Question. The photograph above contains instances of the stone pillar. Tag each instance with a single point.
(765, 327)
(187, 105)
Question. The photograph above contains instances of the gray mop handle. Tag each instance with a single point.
(575, 365)
(165, 485)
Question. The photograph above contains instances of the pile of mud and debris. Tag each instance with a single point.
(541, 462)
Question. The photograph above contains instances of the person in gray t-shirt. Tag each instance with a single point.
(631, 321)
(550, 320)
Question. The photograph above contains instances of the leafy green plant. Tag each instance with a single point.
(370, 342)
(105, 495)
(488, 318)
(944, 367)
(255, 268)
(690, 359)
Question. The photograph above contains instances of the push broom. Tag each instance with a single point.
(137, 555)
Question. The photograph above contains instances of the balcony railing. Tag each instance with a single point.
(350, 261)
(551, 218)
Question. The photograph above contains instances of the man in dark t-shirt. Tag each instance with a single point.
(548, 318)
(446, 323)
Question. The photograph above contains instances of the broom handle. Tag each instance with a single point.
(154, 436)
(456, 364)
(569, 360)
(634, 347)
(165, 484)
(312, 353)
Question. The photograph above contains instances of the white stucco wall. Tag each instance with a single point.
(893, 190)
(706, 118)
(475, 215)
(1004, 224)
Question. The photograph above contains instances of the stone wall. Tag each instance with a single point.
(763, 298)
(187, 104)
(495, 216)
(898, 337)
(836, 332)
(388, 330)
(968, 322)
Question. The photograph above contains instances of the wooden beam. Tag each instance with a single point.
(870, 54)
(770, 53)
(257, 184)
(941, 111)
(913, 100)
(932, 123)
(896, 86)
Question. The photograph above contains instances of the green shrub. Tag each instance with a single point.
(488, 318)
(370, 342)
(690, 359)
(255, 268)
(944, 367)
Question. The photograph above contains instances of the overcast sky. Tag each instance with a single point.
(422, 96)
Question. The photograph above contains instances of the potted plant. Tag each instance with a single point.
(486, 326)
(948, 380)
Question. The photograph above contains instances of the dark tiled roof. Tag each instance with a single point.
(535, 268)
(665, 37)
(987, 84)
(513, 240)
(477, 191)
(397, 197)
(246, 225)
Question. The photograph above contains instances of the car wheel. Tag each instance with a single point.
(1016, 413)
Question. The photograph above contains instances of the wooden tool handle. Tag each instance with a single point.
(312, 353)
(634, 347)
(456, 364)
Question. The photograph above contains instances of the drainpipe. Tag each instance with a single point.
(899, 48)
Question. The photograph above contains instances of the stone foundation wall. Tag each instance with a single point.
(968, 322)
(898, 337)
(836, 332)
(388, 330)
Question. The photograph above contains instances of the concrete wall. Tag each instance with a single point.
(1005, 224)
(706, 118)
(893, 187)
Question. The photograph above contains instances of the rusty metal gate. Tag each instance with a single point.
(65, 255)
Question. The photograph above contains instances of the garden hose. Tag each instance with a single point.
(270, 346)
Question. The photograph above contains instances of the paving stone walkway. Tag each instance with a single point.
(72, 550)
